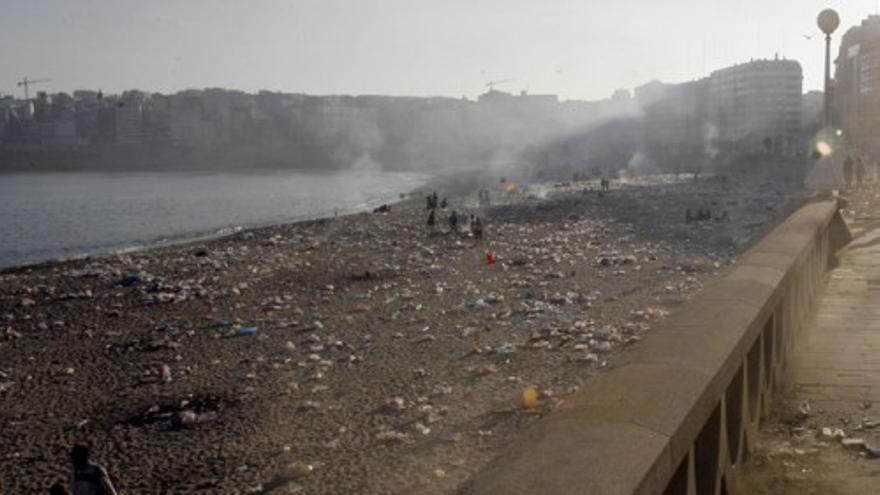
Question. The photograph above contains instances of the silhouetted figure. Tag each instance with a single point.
(605, 185)
(443, 203)
(484, 197)
(705, 214)
(432, 221)
(848, 171)
(860, 171)
(701, 215)
(453, 221)
(87, 478)
(477, 228)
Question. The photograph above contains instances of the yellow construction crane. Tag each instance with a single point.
(27, 82)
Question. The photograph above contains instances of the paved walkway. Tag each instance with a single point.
(835, 365)
(836, 359)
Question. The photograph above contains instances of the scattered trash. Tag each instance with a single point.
(243, 331)
(298, 470)
(833, 433)
(805, 408)
(529, 398)
(392, 436)
(165, 373)
(422, 429)
(490, 258)
(395, 404)
(853, 442)
(132, 279)
(873, 450)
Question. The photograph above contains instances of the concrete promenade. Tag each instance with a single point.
(836, 360)
(835, 367)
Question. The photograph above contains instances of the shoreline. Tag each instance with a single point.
(195, 237)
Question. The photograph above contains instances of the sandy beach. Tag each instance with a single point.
(357, 354)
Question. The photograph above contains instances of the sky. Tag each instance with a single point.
(576, 49)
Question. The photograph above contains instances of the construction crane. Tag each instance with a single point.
(492, 84)
(27, 82)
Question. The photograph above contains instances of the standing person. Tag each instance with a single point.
(477, 228)
(848, 171)
(88, 478)
(860, 171)
(432, 221)
(453, 222)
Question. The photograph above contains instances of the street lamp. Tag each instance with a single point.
(828, 21)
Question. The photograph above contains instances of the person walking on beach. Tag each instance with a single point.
(87, 478)
(848, 171)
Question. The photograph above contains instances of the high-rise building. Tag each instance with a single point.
(857, 86)
(757, 105)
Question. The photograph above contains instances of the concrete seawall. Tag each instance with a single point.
(680, 412)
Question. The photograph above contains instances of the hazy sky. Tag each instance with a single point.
(576, 49)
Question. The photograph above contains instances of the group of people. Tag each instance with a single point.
(433, 201)
(854, 168)
(86, 478)
(454, 220)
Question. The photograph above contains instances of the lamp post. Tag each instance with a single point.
(828, 21)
